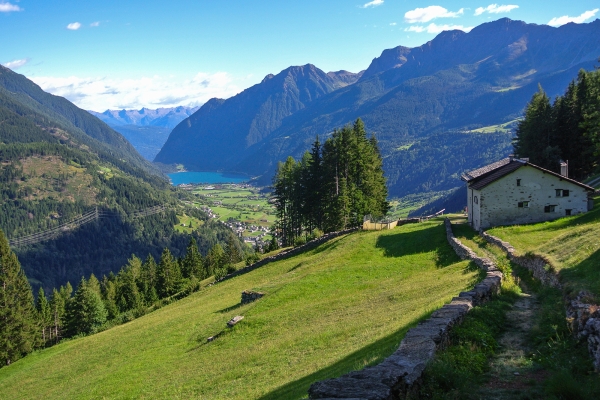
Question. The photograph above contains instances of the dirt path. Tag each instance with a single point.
(512, 374)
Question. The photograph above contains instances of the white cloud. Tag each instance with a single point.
(102, 93)
(428, 13)
(565, 19)
(15, 64)
(95, 24)
(495, 9)
(74, 26)
(373, 3)
(7, 7)
(434, 28)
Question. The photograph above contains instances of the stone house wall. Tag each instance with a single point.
(499, 201)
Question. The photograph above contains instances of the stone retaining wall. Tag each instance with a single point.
(540, 267)
(399, 375)
(583, 317)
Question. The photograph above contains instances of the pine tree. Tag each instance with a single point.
(127, 295)
(168, 275)
(233, 252)
(85, 311)
(44, 315)
(149, 280)
(108, 290)
(19, 328)
(215, 261)
(192, 262)
(58, 310)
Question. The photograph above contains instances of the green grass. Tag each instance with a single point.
(505, 127)
(571, 244)
(336, 308)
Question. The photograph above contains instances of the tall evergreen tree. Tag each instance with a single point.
(44, 315)
(233, 252)
(127, 294)
(149, 280)
(192, 262)
(19, 329)
(85, 311)
(168, 275)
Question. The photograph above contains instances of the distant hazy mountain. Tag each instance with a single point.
(223, 130)
(147, 130)
(163, 117)
(425, 105)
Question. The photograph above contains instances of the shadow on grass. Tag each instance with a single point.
(230, 308)
(431, 239)
(371, 354)
(583, 276)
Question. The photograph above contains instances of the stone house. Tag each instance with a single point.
(514, 191)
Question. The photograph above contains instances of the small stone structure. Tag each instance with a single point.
(233, 321)
(399, 375)
(248, 296)
(584, 318)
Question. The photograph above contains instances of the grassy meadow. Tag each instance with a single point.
(339, 307)
(571, 244)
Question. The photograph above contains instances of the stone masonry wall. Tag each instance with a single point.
(399, 375)
(538, 265)
(583, 317)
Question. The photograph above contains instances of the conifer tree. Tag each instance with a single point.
(215, 261)
(19, 328)
(149, 280)
(44, 315)
(233, 252)
(85, 311)
(168, 275)
(127, 294)
(192, 262)
(108, 290)
(58, 310)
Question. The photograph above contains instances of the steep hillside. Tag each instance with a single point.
(52, 172)
(455, 84)
(220, 132)
(80, 125)
(342, 306)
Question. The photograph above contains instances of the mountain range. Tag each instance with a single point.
(146, 129)
(436, 110)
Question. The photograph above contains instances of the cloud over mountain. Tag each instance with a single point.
(101, 93)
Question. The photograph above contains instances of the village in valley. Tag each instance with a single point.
(246, 209)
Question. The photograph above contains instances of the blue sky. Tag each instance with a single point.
(133, 53)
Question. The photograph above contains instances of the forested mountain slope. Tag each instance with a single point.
(426, 105)
(221, 131)
(51, 171)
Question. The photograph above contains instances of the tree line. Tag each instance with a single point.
(332, 187)
(139, 287)
(567, 129)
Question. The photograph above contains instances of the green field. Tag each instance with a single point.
(505, 127)
(571, 244)
(339, 307)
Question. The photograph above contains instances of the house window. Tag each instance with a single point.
(523, 204)
(562, 193)
(549, 209)
(568, 211)
(565, 193)
(518, 182)
(475, 200)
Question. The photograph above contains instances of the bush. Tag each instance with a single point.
(299, 241)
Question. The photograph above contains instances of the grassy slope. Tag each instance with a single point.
(339, 307)
(571, 244)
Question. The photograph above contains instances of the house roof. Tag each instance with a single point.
(481, 177)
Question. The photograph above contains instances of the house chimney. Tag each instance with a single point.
(564, 168)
